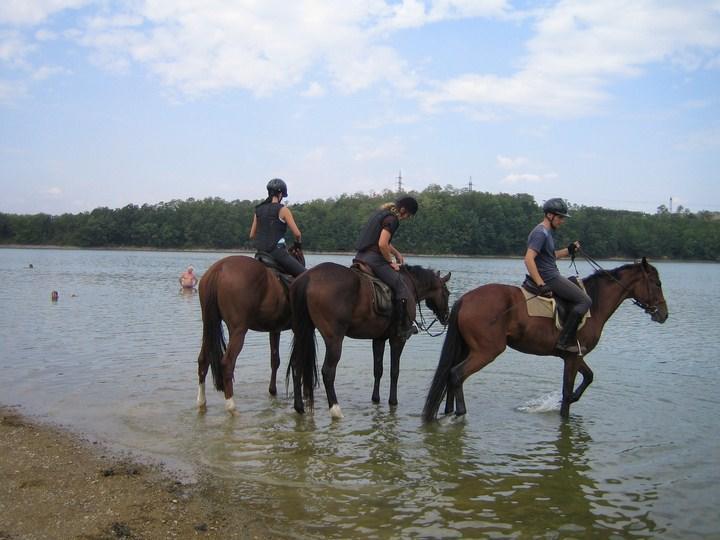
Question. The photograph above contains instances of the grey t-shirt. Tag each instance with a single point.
(542, 241)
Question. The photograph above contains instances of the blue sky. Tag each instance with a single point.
(607, 103)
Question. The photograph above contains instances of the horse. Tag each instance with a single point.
(339, 302)
(486, 320)
(247, 295)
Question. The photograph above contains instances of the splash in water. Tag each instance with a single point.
(545, 403)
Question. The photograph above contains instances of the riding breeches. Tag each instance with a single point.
(286, 261)
(567, 290)
(385, 272)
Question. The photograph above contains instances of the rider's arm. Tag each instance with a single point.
(398, 256)
(386, 248)
(253, 228)
(287, 217)
(530, 255)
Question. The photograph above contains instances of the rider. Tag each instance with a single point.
(540, 262)
(375, 249)
(270, 222)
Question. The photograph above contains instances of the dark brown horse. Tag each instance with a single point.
(246, 295)
(339, 302)
(487, 319)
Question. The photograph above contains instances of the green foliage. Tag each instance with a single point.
(450, 221)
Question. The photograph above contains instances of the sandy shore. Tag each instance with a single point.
(54, 484)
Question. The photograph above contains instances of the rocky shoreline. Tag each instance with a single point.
(57, 485)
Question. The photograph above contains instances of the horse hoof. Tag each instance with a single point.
(376, 399)
(230, 406)
(202, 408)
(335, 412)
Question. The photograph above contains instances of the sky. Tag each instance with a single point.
(107, 103)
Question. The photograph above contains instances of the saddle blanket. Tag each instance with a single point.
(541, 306)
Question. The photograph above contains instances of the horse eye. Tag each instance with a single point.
(659, 283)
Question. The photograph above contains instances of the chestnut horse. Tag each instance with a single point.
(489, 318)
(339, 302)
(246, 295)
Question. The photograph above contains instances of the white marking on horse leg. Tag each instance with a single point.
(201, 401)
(335, 412)
(230, 406)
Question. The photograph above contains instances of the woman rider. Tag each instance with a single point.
(540, 262)
(270, 223)
(375, 249)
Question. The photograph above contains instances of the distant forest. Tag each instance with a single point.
(450, 222)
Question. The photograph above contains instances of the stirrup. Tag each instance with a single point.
(571, 347)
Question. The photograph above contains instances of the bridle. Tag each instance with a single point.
(421, 324)
(647, 308)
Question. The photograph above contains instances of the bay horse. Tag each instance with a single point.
(486, 320)
(247, 295)
(339, 302)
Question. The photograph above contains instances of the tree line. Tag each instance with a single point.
(450, 222)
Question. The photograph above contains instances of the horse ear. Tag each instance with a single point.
(446, 278)
(644, 263)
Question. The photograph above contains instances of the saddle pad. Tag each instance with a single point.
(382, 294)
(540, 306)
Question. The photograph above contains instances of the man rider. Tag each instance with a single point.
(540, 260)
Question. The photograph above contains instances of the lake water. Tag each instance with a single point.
(115, 359)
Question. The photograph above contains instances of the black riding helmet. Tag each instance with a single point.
(408, 203)
(556, 206)
(276, 185)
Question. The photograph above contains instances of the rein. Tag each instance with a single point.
(596, 265)
(421, 324)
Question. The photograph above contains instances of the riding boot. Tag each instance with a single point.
(405, 327)
(567, 341)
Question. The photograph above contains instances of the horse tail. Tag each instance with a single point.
(213, 341)
(303, 354)
(453, 352)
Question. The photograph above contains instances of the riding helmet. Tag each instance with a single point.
(276, 185)
(556, 206)
(408, 203)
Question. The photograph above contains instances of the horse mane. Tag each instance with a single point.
(592, 281)
(424, 277)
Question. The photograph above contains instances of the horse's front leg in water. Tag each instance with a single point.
(587, 379)
(397, 344)
(569, 374)
(274, 361)
(378, 346)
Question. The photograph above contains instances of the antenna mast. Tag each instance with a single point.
(399, 179)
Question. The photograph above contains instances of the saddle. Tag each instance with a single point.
(382, 293)
(547, 305)
(285, 278)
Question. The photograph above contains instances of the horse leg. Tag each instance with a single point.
(274, 361)
(378, 346)
(237, 339)
(450, 400)
(458, 374)
(203, 366)
(333, 349)
(396, 348)
(569, 373)
(587, 379)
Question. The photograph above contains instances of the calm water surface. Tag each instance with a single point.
(115, 358)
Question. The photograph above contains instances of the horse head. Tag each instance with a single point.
(648, 293)
(439, 298)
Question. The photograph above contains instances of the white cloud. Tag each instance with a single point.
(580, 46)
(516, 178)
(315, 89)
(54, 191)
(506, 162)
(28, 12)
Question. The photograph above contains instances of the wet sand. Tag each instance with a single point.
(54, 484)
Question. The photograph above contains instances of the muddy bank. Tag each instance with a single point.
(54, 484)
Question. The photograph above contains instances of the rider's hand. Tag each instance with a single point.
(395, 266)
(544, 289)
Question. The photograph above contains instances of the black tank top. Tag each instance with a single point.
(370, 234)
(269, 227)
